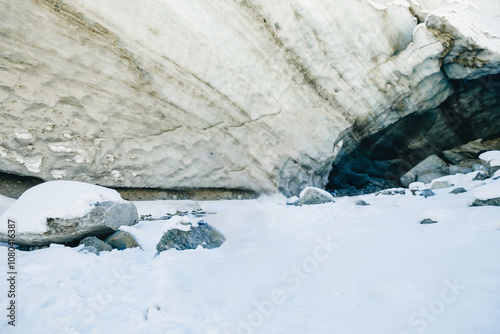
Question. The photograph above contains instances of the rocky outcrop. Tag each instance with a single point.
(249, 95)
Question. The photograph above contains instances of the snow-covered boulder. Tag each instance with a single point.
(190, 238)
(493, 157)
(66, 211)
(311, 195)
(487, 195)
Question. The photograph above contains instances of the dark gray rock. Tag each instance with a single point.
(361, 203)
(427, 193)
(488, 202)
(311, 196)
(481, 176)
(458, 191)
(31, 248)
(428, 221)
(98, 244)
(203, 234)
(122, 240)
(102, 221)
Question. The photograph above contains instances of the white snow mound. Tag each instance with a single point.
(488, 191)
(62, 199)
(493, 157)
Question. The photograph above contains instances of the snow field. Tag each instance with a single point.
(331, 268)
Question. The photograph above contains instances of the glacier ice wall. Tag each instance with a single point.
(235, 94)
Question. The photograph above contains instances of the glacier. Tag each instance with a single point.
(229, 94)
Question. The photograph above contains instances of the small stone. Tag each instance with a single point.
(391, 192)
(122, 240)
(458, 191)
(428, 221)
(98, 244)
(441, 185)
(427, 193)
(361, 203)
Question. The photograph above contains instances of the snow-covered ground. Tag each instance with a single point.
(330, 268)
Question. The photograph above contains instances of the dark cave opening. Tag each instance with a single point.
(378, 161)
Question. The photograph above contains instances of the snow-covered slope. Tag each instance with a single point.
(221, 94)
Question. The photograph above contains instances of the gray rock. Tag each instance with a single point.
(311, 196)
(431, 168)
(203, 234)
(428, 221)
(427, 193)
(441, 185)
(458, 191)
(361, 203)
(103, 220)
(459, 169)
(122, 240)
(488, 202)
(98, 244)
